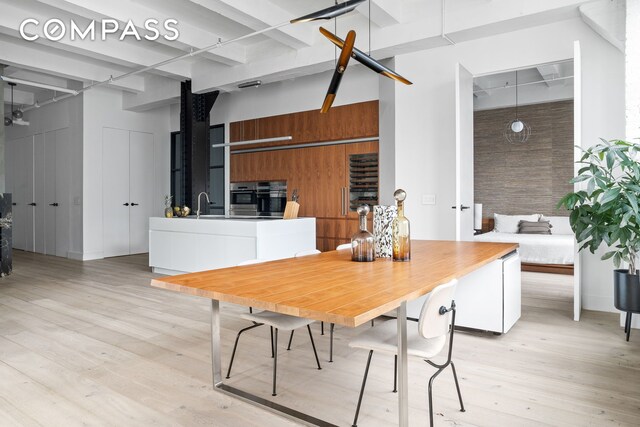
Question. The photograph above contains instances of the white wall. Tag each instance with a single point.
(103, 108)
(425, 114)
(290, 96)
(63, 114)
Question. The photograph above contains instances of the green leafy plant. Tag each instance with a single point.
(607, 211)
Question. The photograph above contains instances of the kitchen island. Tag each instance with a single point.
(186, 245)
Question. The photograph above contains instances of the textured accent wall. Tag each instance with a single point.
(524, 178)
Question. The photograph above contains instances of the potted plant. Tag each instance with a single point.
(607, 212)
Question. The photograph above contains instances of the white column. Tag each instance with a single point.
(632, 70)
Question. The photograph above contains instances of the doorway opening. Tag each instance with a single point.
(523, 162)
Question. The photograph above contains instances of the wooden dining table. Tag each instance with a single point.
(329, 287)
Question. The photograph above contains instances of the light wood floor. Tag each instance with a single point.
(92, 344)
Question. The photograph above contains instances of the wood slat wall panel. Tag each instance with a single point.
(524, 178)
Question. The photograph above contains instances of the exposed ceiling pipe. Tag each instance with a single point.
(443, 34)
(508, 86)
(327, 13)
(40, 85)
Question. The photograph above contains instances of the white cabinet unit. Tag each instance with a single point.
(38, 177)
(180, 245)
(487, 299)
(127, 188)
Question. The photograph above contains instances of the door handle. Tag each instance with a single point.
(134, 204)
(462, 207)
(125, 204)
(53, 204)
(343, 210)
(32, 204)
(14, 204)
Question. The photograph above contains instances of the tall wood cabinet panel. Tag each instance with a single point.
(127, 191)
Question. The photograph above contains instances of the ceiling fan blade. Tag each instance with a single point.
(330, 12)
(341, 67)
(365, 59)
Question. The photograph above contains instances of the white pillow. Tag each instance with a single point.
(509, 223)
(559, 224)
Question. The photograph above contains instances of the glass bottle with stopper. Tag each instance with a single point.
(362, 243)
(401, 238)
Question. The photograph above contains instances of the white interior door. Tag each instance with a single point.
(63, 184)
(16, 177)
(115, 192)
(464, 154)
(141, 190)
(49, 196)
(577, 142)
(39, 192)
(29, 197)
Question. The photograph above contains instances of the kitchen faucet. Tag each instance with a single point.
(198, 211)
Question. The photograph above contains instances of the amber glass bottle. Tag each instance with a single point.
(400, 230)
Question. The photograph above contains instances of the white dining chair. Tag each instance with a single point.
(342, 247)
(307, 253)
(425, 339)
(276, 322)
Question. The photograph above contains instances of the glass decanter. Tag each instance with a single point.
(401, 238)
(363, 243)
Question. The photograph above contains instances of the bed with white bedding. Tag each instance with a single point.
(536, 248)
(547, 253)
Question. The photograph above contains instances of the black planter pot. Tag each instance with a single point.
(626, 294)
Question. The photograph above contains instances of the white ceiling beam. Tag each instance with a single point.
(123, 53)
(261, 14)
(23, 54)
(384, 13)
(20, 97)
(420, 33)
(125, 10)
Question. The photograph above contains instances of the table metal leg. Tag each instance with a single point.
(216, 348)
(220, 386)
(403, 376)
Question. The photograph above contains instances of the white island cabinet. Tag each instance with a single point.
(186, 245)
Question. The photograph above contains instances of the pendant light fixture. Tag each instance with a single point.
(516, 130)
(341, 67)
(348, 50)
(330, 12)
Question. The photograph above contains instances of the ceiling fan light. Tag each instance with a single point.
(18, 114)
(8, 121)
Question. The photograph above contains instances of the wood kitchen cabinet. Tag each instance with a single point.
(321, 174)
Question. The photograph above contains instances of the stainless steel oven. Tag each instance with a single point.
(244, 201)
(272, 198)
